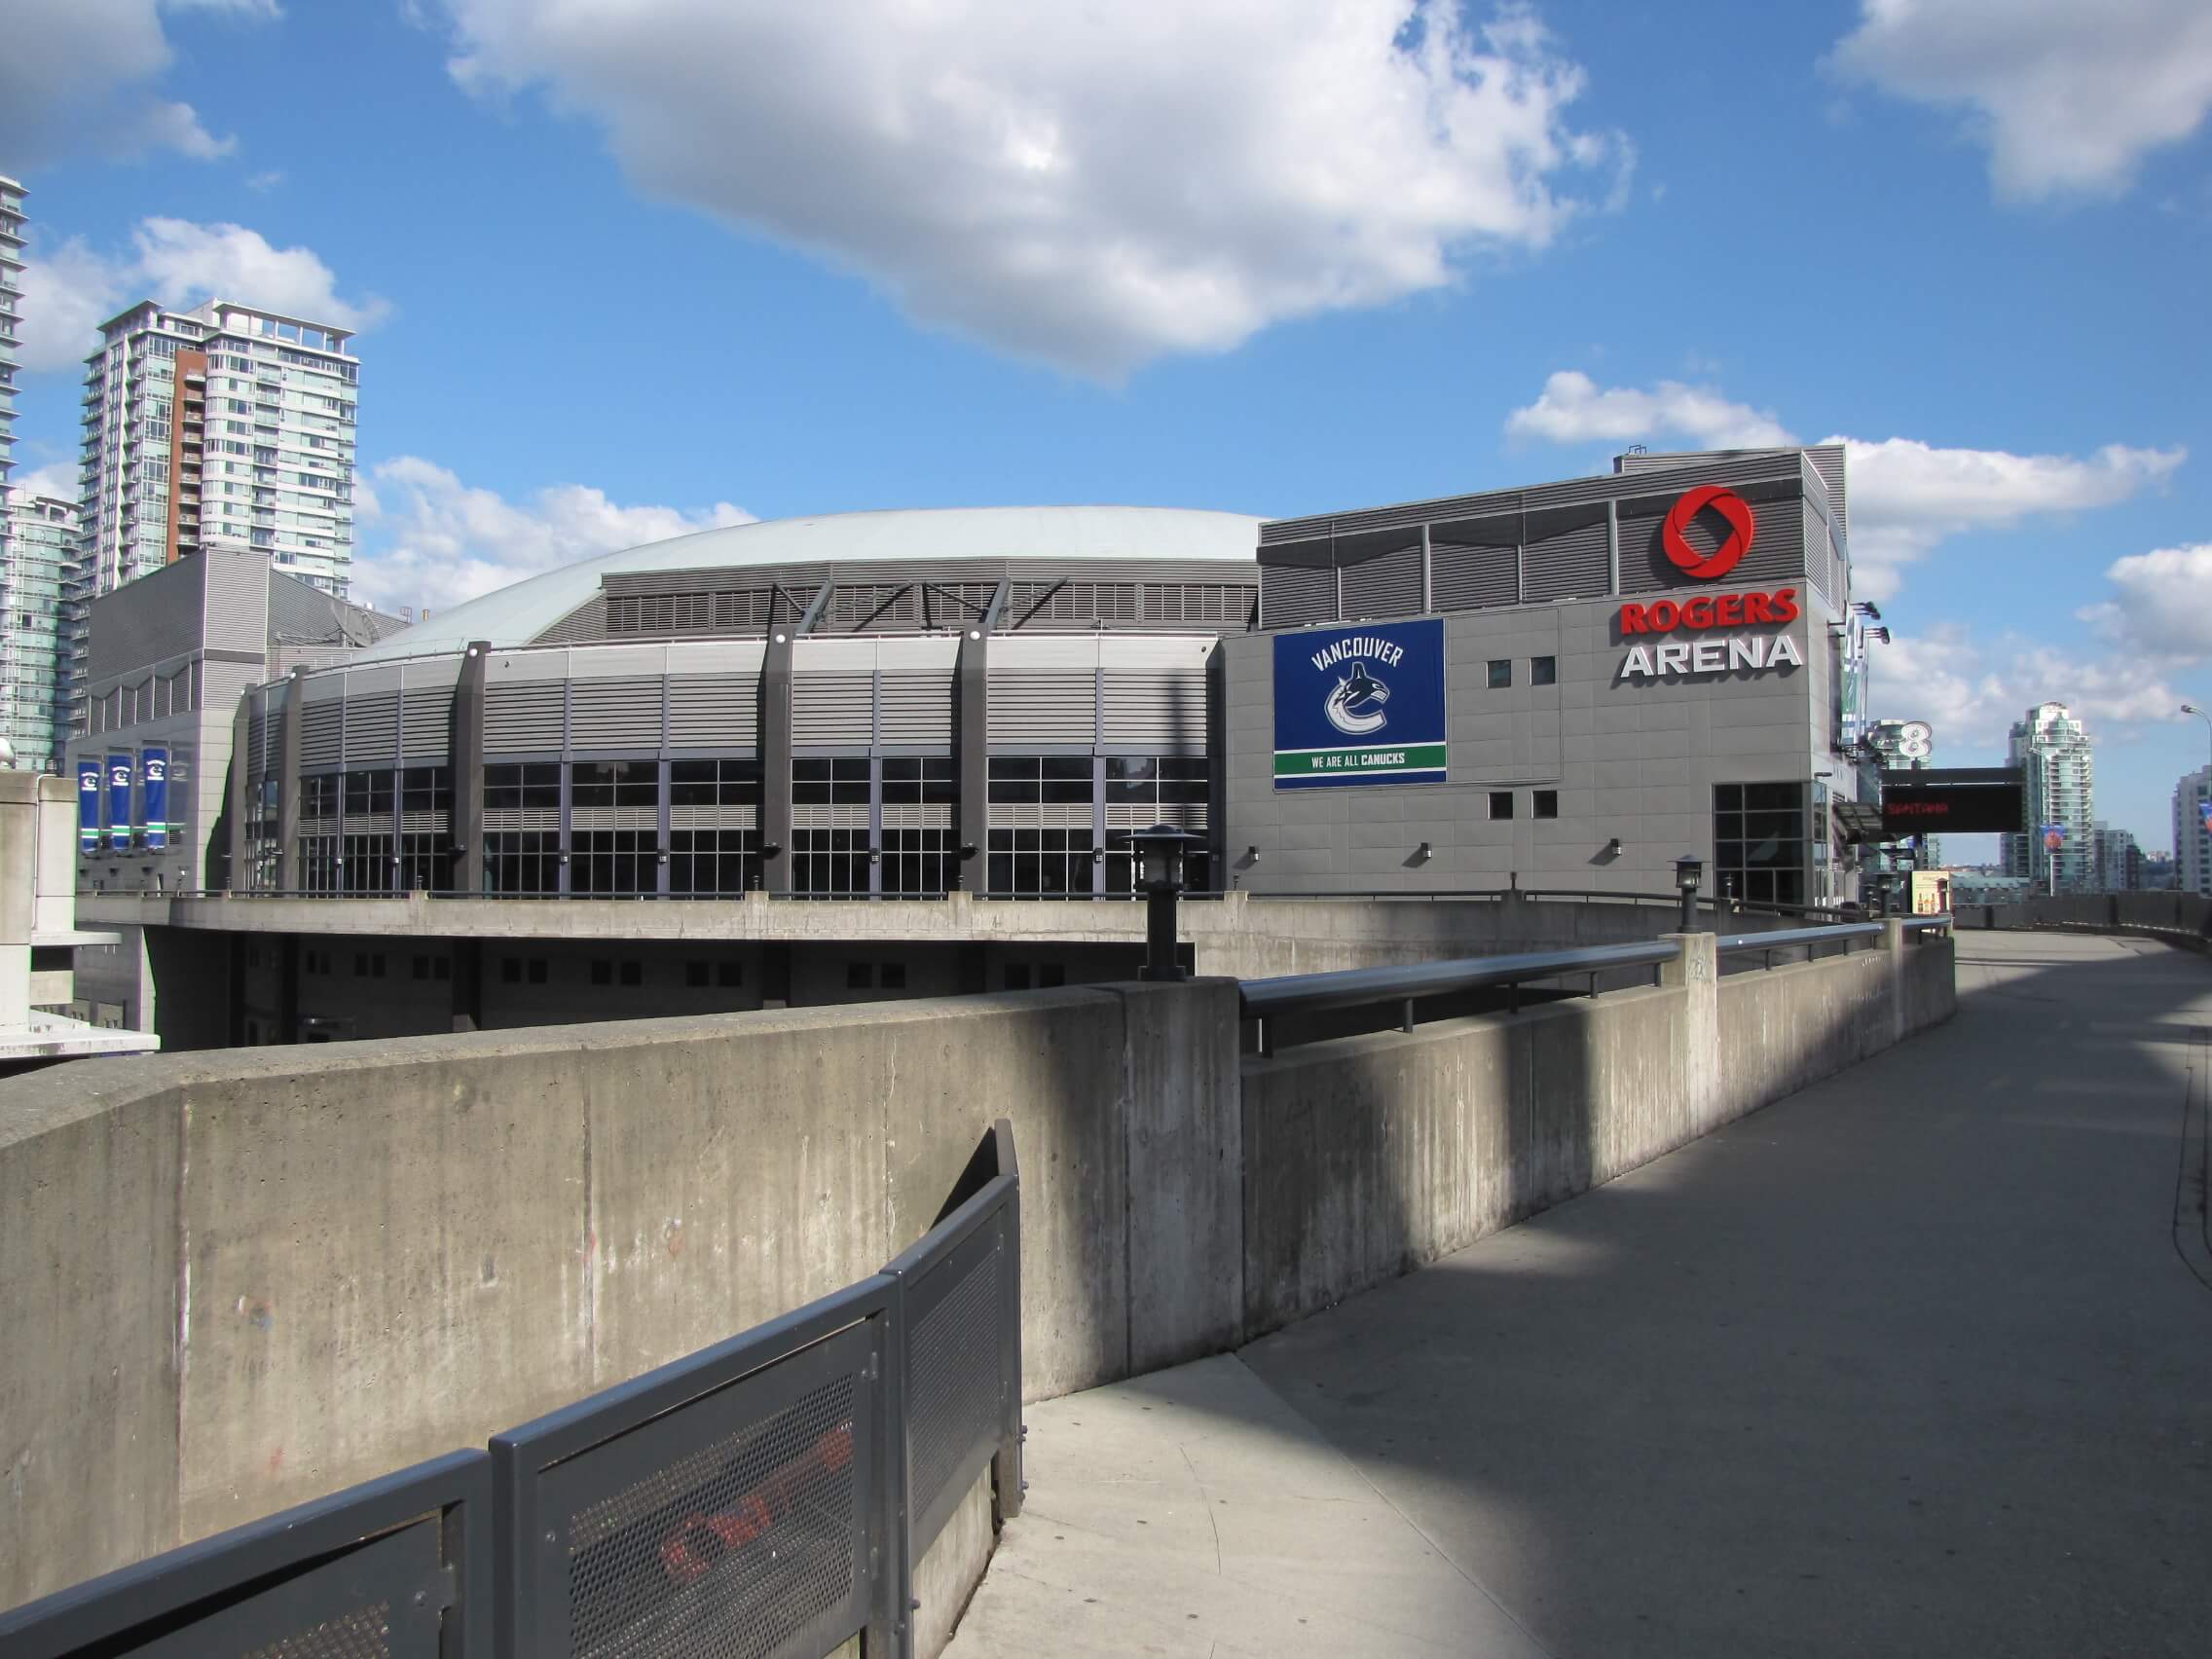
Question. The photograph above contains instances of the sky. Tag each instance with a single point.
(622, 268)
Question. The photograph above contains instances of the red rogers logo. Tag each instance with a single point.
(1731, 506)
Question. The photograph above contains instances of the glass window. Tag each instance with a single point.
(1543, 671)
(1041, 864)
(1501, 804)
(1546, 803)
(614, 827)
(1759, 841)
(1500, 673)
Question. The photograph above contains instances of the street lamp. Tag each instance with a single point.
(1689, 872)
(1159, 852)
(2193, 709)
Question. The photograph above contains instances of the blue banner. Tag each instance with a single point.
(119, 768)
(87, 803)
(1360, 705)
(154, 774)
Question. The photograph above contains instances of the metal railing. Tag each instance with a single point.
(1292, 996)
(768, 1496)
(1297, 998)
(1808, 938)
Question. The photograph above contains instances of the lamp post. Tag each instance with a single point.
(1689, 872)
(1160, 853)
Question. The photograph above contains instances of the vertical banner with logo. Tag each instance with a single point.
(1360, 705)
(119, 768)
(154, 775)
(87, 803)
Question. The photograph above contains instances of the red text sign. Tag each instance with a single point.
(1718, 611)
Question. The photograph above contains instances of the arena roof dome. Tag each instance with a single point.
(517, 616)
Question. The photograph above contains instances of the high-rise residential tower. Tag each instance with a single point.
(37, 548)
(2058, 774)
(10, 287)
(2193, 836)
(220, 426)
(38, 553)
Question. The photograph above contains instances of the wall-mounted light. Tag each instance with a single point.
(772, 849)
(875, 855)
(1251, 855)
(1613, 848)
(1423, 853)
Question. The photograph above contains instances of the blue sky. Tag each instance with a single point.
(630, 265)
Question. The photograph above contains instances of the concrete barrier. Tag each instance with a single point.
(2183, 919)
(241, 1278)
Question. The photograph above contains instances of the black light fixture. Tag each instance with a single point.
(1160, 853)
(1423, 853)
(1613, 848)
(1251, 855)
(772, 849)
(1689, 875)
(875, 855)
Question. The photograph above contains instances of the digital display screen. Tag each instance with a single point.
(1962, 800)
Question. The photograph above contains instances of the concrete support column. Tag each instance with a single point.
(465, 758)
(1894, 943)
(975, 757)
(288, 989)
(776, 762)
(236, 799)
(1697, 972)
(288, 800)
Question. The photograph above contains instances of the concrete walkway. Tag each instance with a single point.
(1918, 1361)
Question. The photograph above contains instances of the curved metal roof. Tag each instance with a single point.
(515, 615)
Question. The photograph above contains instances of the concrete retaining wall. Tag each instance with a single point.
(238, 1280)
(2184, 919)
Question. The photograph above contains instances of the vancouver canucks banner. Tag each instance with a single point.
(119, 799)
(89, 803)
(1361, 705)
(154, 781)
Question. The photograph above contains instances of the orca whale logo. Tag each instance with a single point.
(1355, 706)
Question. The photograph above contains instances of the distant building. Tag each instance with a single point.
(224, 426)
(38, 546)
(2192, 841)
(171, 657)
(2158, 872)
(2118, 860)
(1983, 887)
(2053, 751)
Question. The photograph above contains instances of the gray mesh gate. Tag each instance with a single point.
(396, 1569)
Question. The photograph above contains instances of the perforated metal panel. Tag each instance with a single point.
(363, 1633)
(734, 1527)
(953, 1382)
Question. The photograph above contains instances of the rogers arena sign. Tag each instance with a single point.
(1755, 652)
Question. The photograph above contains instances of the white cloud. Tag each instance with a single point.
(2069, 98)
(2163, 603)
(80, 75)
(1574, 409)
(58, 479)
(1906, 496)
(1972, 692)
(1090, 186)
(69, 292)
(432, 540)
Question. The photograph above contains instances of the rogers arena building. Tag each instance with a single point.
(888, 704)
(1566, 686)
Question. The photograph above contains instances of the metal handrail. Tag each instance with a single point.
(1782, 937)
(1363, 988)
(1920, 924)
